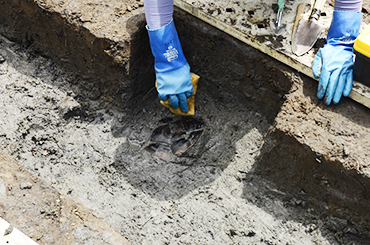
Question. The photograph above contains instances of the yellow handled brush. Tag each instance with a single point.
(191, 100)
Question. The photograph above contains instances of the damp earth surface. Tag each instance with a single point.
(153, 177)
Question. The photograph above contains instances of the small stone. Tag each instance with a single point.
(26, 185)
(2, 59)
(311, 228)
(8, 230)
(94, 94)
(346, 151)
(3, 70)
(69, 106)
(39, 237)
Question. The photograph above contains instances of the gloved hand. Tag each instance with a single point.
(172, 69)
(333, 63)
(175, 86)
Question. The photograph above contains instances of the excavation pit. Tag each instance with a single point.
(272, 164)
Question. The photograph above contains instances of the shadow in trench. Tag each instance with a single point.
(166, 176)
(237, 92)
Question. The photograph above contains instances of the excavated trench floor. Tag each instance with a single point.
(91, 147)
(94, 152)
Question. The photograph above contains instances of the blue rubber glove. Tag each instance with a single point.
(333, 63)
(172, 69)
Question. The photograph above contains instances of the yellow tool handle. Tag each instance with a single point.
(299, 16)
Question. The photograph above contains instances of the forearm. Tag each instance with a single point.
(158, 13)
(348, 5)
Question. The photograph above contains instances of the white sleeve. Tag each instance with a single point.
(348, 5)
(158, 13)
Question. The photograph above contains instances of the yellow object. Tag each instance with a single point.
(361, 71)
(191, 100)
(362, 42)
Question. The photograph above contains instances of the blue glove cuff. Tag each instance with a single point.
(344, 28)
(174, 82)
(166, 48)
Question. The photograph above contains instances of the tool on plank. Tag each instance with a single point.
(299, 16)
(308, 31)
(276, 25)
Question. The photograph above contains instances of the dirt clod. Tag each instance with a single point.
(26, 185)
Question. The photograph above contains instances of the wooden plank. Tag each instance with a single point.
(12, 236)
(360, 93)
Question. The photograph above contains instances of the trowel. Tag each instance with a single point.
(276, 25)
(308, 31)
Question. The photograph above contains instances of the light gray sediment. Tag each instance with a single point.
(87, 140)
(93, 152)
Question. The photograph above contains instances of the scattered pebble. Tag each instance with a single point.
(346, 151)
(26, 185)
(8, 230)
(94, 94)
